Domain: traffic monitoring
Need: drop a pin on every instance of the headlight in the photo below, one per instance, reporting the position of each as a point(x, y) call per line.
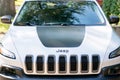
point(115, 53)
point(7, 53)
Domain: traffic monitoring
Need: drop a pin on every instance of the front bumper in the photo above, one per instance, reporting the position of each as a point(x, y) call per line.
point(94, 77)
point(11, 72)
point(107, 73)
point(111, 70)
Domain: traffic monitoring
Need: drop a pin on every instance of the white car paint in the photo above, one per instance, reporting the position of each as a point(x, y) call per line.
point(24, 41)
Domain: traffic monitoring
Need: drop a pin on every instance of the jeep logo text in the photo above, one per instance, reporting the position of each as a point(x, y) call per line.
point(62, 51)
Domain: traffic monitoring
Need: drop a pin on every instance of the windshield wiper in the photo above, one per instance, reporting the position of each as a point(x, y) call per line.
point(61, 24)
point(24, 24)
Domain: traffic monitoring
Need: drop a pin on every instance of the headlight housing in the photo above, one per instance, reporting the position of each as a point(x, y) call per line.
point(115, 53)
point(6, 53)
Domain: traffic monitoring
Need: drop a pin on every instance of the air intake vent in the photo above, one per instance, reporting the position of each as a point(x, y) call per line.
point(29, 63)
point(51, 64)
point(84, 63)
point(40, 64)
point(62, 64)
point(96, 63)
point(73, 64)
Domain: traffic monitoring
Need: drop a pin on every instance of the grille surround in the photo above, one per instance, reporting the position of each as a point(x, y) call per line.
point(29, 63)
point(84, 64)
point(42, 64)
point(73, 63)
point(53, 65)
point(67, 65)
point(95, 63)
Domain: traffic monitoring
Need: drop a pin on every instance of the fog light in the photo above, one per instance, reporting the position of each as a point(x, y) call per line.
point(113, 70)
point(8, 71)
point(11, 72)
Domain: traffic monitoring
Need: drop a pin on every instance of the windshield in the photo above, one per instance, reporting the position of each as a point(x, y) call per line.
point(59, 12)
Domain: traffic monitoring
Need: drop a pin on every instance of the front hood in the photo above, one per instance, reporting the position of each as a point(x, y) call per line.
point(86, 39)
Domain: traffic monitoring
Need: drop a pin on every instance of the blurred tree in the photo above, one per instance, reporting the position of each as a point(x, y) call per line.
point(111, 7)
point(7, 7)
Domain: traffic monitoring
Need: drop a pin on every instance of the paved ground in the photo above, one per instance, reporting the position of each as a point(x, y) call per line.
point(1, 78)
point(117, 29)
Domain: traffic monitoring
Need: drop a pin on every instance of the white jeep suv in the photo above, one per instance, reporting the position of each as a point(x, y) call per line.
point(59, 38)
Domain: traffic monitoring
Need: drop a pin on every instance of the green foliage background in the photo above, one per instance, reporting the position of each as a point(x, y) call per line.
point(111, 7)
point(5, 27)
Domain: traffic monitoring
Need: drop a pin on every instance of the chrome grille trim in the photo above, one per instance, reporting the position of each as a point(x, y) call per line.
point(95, 63)
point(73, 64)
point(51, 64)
point(84, 64)
point(29, 63)
point(40, 64)
point(80, 60)
point(62, 64)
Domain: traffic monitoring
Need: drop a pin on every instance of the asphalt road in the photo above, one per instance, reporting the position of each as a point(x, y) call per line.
point(117, 29)
point(1, 78)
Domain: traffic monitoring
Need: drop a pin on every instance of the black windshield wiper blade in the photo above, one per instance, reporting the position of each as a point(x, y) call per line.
point(24, 24)
point(78, 24)
point(61, 24)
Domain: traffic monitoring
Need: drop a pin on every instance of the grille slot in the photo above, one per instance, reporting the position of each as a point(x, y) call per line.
point(62, 64)
point(73, 64)
point(51, 64)
point(95, 63)
point(29, 63)
point(84, 63)
point(40, 64)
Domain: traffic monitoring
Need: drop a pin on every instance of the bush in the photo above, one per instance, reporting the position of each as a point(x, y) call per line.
point(111, 7)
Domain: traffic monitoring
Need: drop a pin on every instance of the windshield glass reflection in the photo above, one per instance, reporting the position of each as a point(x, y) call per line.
point(59, 12)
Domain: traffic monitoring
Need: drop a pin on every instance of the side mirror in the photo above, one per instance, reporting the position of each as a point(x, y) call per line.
point(6, 19)
point(114, 19)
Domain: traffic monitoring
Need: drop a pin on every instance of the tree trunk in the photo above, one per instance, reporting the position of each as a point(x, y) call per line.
point(7, 7)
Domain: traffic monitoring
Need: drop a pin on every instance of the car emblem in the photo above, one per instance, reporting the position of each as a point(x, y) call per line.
point(62, 51)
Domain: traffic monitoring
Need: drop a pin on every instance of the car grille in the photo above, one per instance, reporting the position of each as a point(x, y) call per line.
point(64, 64)
point(84, 64)
point(51, 64)
point(29, 63)
point(40, 64)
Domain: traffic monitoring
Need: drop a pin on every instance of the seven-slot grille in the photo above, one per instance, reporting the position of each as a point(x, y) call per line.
point(40, 64)
point(29, 63)
point(62, 62)
point(51, 64)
